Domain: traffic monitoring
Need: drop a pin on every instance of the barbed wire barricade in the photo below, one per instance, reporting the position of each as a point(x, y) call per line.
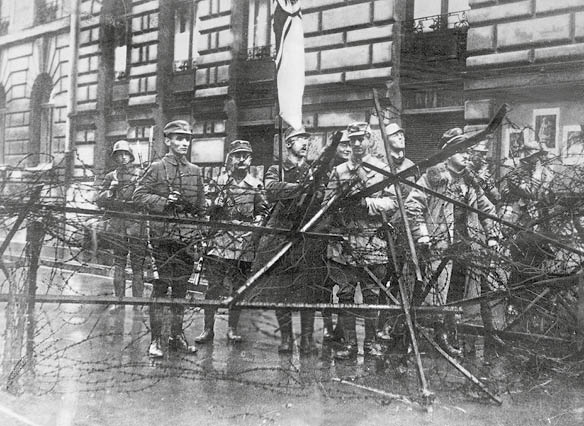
point(55, 236)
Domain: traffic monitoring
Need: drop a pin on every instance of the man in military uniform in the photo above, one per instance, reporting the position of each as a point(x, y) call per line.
point(331, 332)
point(397, 150)
point(364, 251)
point(124, 235)
point(480, 173)
point(289, 280)
point(452, 231)
point(172, 187)
point(238, 199)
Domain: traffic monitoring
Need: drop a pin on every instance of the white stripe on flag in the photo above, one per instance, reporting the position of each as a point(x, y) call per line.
point(289, 61)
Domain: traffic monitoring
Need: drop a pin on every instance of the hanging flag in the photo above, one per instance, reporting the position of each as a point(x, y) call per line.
point(289, 60)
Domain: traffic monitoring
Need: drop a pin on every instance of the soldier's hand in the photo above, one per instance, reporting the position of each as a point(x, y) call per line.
point(493, 243)
point(423, 247)
point(173, 197)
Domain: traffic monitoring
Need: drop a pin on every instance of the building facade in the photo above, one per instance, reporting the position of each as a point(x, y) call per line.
point(140, 63)
point(528, 54)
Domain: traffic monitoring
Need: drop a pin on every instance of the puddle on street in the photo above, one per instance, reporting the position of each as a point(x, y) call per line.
point(100, 366)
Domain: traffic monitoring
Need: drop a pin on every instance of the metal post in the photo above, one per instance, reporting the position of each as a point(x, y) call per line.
point(72, 91)
point(35, 234)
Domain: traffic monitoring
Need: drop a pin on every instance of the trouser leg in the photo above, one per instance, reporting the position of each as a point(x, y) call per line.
point(159, 289)
point(307, 330)
point(137, 256)
point(179, 290)
point(119, 280)
point(120, 257)
point(284, 318)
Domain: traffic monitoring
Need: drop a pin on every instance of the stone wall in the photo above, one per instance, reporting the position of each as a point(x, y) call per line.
point(524, 32)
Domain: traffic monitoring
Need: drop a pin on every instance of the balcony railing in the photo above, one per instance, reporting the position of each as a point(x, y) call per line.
point(184, 65)
point(440, 36)
point(4, 23)
point(46, 11)
point(453, 20)
point(259, 53)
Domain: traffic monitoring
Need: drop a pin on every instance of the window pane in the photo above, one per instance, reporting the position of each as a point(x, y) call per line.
point(457, 5)
point(120, 60)
point(259, 28)
point(181, 46)
point(424, 8)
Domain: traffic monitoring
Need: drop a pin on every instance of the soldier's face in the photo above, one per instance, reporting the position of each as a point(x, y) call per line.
point(178, 144)
point(240, 161)
point(359, 145)
point(397, 141)
point(298, 146)
point(122, 158)
point(343, 150)
point(397, 144)
point(459, 161)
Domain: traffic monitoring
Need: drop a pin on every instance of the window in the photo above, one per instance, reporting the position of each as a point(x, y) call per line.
point(144, 54)
point(4, 24)
point(46, 10)
point(41, 121)
point(139, 139)
point(145, 22)
point(186, 35)
point(121, 48)
point(260, 34)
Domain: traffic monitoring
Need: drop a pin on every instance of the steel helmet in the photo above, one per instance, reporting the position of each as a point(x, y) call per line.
point(123, 145)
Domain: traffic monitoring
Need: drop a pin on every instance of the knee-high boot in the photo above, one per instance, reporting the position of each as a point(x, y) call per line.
point(445, 335)
point(327, 322)
point(119, 281)
point(232, 322)
point(349, 348)
point(285, 324)
point(307, 345)
point(208, 332)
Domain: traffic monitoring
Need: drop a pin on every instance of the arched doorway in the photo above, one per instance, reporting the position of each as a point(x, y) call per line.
point(41, 120)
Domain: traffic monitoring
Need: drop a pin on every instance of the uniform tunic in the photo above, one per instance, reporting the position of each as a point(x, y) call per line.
point(291, 279)
point(115, 194)
point(456, 233)
point(173, 243)
point(232, 251)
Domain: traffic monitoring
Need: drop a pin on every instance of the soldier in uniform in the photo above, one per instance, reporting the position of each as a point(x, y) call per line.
point(172, 187)
point(480, 173)
point(239, 199)
point(364, 251)
point(397, 149)
point(451, 230)
point(290, 280)
point(124, 235)
point(331, 332)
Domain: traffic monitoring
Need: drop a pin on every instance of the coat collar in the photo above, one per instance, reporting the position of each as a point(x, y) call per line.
point(248, 180)
point(289, 165)
point(351, 165)
point(175, 160)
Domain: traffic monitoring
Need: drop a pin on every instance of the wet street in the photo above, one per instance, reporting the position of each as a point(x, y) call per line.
point(87, 365)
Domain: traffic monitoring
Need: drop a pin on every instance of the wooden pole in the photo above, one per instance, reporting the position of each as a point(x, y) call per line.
point(405, 303)
point(460, 368)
